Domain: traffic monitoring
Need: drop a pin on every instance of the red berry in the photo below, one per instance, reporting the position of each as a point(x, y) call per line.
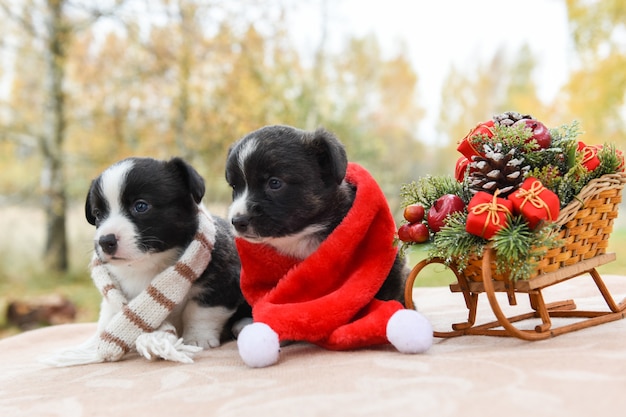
point(419, 232)
point(414, 213)
point(404, 233)
point(413, 232)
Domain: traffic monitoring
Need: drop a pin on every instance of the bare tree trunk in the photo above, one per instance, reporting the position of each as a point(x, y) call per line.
point(184, 73)
point(313, 113)
point(53, 178)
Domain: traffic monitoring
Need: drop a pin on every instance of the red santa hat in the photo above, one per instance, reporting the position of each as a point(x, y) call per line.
point(328, 298)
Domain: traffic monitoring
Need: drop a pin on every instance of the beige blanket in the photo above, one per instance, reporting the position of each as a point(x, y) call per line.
point(577, 374)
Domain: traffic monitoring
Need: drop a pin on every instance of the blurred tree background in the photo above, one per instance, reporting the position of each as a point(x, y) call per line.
point(85, 83)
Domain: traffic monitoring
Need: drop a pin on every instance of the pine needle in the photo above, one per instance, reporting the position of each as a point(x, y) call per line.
point(427, 190)
point(454, 244)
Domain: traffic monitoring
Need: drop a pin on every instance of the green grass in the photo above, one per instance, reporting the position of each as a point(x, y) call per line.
point(438, 275)
point(434, 275)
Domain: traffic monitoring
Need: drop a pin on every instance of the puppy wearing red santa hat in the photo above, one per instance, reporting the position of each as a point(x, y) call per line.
point(316, 240)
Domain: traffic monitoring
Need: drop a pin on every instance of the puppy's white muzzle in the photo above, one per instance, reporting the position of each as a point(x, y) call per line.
point(116, 238)
point(239, 217)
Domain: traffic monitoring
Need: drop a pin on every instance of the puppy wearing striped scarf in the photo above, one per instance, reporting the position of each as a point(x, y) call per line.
point(168, 270)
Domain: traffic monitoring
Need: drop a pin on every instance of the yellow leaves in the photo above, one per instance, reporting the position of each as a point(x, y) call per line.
point(596, 94)
point(594, 25)
point(596, 91)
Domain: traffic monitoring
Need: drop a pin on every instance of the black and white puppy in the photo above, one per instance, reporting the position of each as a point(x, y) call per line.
point(309, 169)
point(145, 213)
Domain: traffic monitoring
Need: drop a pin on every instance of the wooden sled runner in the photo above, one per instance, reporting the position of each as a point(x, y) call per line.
point(586, 226)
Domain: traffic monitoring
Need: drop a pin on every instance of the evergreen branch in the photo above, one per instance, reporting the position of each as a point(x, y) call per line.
point(610, 161)
point(512, 245)
point(519, 249)
point(566, 132)
point(454, 244)
point(427, 190)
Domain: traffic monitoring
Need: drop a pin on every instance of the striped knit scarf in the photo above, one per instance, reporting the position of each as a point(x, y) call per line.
point(146, 313)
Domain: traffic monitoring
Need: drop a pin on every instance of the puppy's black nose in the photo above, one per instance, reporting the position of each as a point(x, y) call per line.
point(108, 243)
point(241, 222)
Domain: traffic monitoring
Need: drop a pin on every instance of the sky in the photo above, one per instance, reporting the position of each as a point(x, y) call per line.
point(440, 33)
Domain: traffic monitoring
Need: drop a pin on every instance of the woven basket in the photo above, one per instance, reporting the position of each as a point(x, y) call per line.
point(586, 224)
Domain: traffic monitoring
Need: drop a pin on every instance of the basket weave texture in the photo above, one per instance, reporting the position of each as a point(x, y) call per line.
point(586, 225)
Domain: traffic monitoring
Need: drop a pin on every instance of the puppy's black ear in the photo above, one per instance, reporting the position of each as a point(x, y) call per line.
point(230, 152)
point(88, 215)
point(194, 181)
point(331, 155)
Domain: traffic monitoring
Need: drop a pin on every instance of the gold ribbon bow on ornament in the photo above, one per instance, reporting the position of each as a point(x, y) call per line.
point(589, 152)
point(492, 209)
point(531, 195)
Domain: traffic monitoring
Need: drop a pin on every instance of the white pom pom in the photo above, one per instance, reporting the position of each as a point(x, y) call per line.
point(258, 345)
point(410, 332)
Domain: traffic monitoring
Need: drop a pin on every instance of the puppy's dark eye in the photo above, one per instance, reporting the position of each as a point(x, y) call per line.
point(141, 206)
point(274, 183)
point(96, 213)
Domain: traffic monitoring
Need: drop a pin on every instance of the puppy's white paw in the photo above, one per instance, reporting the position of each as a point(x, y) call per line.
point(258, 345)
point(203, 325)
point(202, 340)
point(165, 345)
point(410, 332)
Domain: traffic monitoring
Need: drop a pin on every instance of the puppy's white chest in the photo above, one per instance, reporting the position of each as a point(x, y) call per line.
point(299, 245)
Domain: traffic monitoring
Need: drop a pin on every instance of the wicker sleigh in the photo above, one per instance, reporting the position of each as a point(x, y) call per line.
point(586, 224)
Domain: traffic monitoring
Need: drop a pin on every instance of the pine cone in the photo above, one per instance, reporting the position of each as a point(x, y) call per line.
point(496, 170)
point(510, 117)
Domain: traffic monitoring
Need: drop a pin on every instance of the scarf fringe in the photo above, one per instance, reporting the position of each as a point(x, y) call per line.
point(83, 354)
